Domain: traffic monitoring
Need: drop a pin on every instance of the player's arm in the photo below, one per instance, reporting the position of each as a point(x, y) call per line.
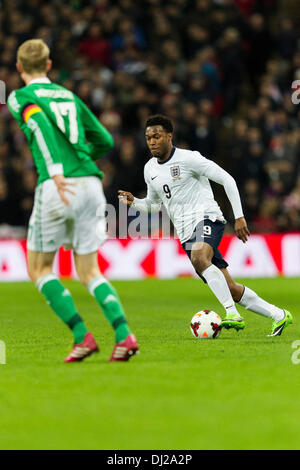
point(39, 132)
point(144, 205)
point(151, 203)
point(99, 139)
point(215, 173)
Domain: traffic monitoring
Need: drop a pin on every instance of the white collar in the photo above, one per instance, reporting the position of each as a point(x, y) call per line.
point(40, 80)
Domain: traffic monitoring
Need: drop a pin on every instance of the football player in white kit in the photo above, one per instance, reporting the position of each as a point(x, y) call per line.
point(179, 179)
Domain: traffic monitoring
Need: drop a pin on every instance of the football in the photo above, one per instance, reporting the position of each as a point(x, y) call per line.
point(206, 324)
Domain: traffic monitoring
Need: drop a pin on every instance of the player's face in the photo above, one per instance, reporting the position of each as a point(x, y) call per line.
point(158, 140)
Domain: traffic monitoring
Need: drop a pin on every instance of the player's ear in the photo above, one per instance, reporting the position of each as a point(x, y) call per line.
point(49, 65)
point(19, 67)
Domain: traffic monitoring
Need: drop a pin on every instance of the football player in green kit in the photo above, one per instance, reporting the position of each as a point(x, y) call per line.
point(65, 138)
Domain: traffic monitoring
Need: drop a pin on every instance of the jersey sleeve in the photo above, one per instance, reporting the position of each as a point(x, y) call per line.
point(152, 202)
point(202, 166)
point(39, 133)
point(15, 107)
point(100, 141)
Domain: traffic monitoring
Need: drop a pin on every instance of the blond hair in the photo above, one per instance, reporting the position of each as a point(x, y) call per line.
point(33, 56)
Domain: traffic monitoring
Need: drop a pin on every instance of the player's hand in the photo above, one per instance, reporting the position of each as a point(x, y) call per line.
point(125, 197)
point(241, 229)
point(62, 187)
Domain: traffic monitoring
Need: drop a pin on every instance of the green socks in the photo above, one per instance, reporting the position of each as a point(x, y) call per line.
point(109, 301)
point(61, 302)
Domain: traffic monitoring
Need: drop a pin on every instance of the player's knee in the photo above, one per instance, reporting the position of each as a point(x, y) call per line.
point(32, 274)
point(36, 272)
point(200, 262)
point(39, 265)
point(86, 275)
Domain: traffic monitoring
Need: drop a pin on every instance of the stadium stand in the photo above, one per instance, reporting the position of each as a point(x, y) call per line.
point(222, 70)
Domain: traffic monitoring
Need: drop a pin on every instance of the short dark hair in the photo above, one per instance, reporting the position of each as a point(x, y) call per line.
point(160, 120)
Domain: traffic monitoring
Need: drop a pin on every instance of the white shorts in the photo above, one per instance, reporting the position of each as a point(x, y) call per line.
point(80, 226)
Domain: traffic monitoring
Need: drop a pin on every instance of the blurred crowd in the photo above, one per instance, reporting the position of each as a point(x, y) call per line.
point(221, 69)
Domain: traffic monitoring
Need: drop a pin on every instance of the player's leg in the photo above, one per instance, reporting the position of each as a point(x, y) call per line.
point(57, 297)
point(236, 289)
point(201, 257)
point(90, 233)
point(105, 294)
point(202, 249)
point(251, 301)
point(47, 232)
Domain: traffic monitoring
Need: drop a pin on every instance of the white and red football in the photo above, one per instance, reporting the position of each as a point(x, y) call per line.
point(206, 324)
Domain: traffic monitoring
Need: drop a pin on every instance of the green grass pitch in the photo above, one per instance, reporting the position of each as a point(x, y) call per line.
point(240, 391)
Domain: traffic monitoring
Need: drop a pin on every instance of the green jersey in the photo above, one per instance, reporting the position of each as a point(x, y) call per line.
point(63, 134)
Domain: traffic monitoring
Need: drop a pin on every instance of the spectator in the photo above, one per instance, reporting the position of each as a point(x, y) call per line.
point(95, 47)
point(221, 69)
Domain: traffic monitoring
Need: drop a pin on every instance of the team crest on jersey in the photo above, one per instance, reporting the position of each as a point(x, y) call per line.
point(175, 172)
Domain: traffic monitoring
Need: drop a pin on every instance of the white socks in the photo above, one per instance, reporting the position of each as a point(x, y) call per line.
point(251, 301)
point(217, 282)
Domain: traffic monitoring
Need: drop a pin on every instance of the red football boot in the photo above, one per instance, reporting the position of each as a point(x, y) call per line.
point(125, 350)
point(83, 350)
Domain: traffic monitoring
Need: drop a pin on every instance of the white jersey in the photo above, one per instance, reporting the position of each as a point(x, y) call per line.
point(181, 184)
